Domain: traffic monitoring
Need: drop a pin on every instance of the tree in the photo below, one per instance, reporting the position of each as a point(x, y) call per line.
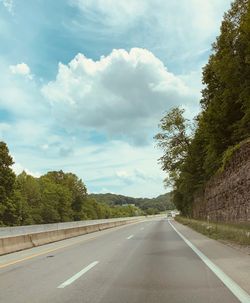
point(7, 179)
point(75, 186)
point(7, 176)
point(174, 141)
point(90, 209)
point(56, 201)
point(29, 188)
point(225, 117)
point(225, 99)
point(17, 211)
point(54, 197)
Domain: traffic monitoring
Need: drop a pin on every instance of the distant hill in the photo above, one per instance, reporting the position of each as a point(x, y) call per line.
point(150, 206)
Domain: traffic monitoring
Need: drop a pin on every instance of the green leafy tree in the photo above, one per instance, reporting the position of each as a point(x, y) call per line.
point(29, 188)
point(151, 211)
point(225, 117)
point(7, 180)
point(226, 97)
point(7, 176)
point(174, 141)
point(76, 187)
point(17, 211)
point(54, 197)
point(90, 209)
point(56, 201)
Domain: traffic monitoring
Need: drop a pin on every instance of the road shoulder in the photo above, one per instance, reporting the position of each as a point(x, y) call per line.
point(234, 263)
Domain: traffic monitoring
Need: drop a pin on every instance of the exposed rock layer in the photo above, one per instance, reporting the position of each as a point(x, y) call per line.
point(226, 196)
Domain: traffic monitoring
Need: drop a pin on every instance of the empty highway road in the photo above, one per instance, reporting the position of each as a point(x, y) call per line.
point(144, 262)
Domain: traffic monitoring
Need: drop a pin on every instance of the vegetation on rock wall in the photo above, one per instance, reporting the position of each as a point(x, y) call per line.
point(191, 158)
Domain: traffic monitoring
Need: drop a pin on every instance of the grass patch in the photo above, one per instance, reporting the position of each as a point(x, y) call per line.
point(238, 233)
point(228, 154)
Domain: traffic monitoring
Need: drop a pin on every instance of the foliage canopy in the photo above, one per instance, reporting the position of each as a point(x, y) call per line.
point(224, 120)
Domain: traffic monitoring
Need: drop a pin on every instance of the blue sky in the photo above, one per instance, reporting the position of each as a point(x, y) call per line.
point(84, 83)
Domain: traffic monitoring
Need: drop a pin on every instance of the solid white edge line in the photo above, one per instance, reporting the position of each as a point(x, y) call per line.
point(130, 237)
point(239, 293)
point(78, 275)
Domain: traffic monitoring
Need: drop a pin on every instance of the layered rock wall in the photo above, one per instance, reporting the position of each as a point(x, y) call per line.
point(226, 196)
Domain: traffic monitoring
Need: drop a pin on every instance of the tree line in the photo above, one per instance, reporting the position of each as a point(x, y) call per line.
point(194, 151)
point(148, 206)
point(53, 197)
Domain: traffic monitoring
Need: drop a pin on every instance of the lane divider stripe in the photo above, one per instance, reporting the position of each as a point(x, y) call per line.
point(130, 237)
point(239, 293)
point(78, 275)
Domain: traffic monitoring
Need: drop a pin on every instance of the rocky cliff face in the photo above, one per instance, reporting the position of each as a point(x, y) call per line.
point(226, 197)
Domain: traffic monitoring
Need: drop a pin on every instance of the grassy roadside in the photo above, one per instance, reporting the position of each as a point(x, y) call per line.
point(234, 233)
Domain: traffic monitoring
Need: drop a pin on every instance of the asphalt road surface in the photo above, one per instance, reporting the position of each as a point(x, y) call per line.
point(143, 262)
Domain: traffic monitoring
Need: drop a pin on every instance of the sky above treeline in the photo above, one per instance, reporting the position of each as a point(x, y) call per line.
point(84, 83)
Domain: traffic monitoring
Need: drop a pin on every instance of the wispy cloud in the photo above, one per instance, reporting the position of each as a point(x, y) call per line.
point(173, 30)
point(8, 4)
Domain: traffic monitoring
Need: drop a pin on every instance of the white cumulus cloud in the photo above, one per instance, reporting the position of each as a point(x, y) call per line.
point(122, 95)
point(20, 69)
point(18, 169)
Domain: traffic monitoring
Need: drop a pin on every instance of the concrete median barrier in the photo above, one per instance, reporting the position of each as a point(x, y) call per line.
point(12, 244)
point(18, 242)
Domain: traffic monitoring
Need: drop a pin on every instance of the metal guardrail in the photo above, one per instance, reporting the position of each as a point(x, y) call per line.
point(30, 229)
